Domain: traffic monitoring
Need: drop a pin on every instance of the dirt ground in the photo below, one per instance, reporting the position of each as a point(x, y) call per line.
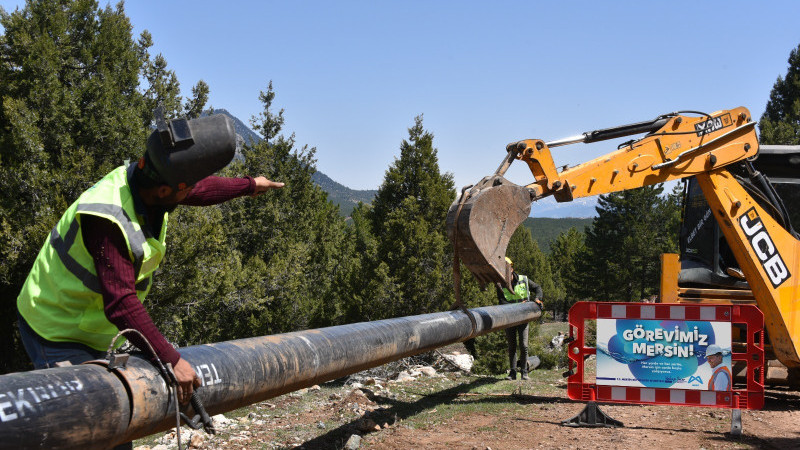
point(466, 412)
point(535, 422)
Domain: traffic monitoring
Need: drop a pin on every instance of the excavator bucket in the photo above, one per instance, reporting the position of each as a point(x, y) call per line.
point(481, 222)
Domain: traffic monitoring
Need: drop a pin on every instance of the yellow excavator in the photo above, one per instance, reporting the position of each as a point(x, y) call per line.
point(756, 258)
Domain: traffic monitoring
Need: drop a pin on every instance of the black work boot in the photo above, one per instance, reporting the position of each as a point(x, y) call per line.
point(524, 375)
point(512, 375)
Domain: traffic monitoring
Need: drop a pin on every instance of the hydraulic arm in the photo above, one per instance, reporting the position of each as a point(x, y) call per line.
point(482, 220)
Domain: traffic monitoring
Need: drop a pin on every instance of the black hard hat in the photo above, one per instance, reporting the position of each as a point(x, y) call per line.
point(183, 152)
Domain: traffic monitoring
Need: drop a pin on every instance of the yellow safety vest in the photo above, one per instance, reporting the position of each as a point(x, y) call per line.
point(61, 298)
point(520, 291)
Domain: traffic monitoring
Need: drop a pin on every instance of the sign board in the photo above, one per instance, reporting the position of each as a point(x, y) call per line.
point(664, 354)
point(652, 379)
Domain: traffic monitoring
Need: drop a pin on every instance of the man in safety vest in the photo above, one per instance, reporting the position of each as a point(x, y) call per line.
point(96, 266)
point(721, 377)
point(522, 293)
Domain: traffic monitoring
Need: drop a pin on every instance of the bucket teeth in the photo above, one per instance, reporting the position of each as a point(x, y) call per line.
point(481, 222)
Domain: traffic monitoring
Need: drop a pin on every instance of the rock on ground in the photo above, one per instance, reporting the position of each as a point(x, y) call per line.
point(220, 421)
point(403, 377)
point(463, 362)
point(353, 443)
point(428, 371)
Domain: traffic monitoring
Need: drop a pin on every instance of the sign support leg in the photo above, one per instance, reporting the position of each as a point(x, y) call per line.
point(592, 416)
point(736, 422)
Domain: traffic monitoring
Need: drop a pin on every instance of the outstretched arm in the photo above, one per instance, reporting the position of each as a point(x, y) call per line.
point(214, 190)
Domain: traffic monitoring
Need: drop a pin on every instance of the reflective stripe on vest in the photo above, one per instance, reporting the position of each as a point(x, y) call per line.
point(136, 238)
point(89, 279)
point(62, 247)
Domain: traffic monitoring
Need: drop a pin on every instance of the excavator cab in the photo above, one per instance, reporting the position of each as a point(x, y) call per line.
point(706, 259)
point(706, 270)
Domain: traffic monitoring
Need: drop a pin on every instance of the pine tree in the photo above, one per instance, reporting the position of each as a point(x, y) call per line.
point(780, 123)
point(367, 283)
point(198, 279)
point(633, 227)
point(290, 240)
point(416, 175)
point(194, 106)
point(72, 108)
point(71, 111)
point(408, 221)
point(163, 88)
point(565, 253)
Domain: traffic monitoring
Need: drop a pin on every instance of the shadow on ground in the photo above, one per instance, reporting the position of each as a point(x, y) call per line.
point(401, 410)
point(776, 400)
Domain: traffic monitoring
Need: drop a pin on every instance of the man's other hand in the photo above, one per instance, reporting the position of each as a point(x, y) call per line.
point(263, 185)
point(187, 380)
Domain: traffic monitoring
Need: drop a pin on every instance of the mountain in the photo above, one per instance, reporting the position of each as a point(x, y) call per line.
point(249, 136)
point(548, 207)
point(339, 194)
point(545, 229)
point(348, 198)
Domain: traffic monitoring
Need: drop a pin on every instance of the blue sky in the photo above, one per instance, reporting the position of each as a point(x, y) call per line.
point(351, 75)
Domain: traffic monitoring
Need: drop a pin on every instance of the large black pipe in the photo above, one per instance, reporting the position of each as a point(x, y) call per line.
point(89, 406)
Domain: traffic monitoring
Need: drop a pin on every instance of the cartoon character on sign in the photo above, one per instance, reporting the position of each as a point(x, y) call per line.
point(721, 377)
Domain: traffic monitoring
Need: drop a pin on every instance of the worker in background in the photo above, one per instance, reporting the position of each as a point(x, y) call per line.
point(96, 266)
point(518, 334)
point(721, 377)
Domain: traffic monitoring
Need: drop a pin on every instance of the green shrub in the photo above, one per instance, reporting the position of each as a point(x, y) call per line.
point(491, 354)
point(548, 358)
point(590, 333)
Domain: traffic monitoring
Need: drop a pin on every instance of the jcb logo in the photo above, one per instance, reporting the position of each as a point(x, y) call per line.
point(713, 124)
point(762, 244)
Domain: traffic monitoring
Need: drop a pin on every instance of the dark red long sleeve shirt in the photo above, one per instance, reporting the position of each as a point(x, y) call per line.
point(106, 244)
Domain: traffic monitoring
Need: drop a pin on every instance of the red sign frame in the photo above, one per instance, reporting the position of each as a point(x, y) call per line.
point(750, 398)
